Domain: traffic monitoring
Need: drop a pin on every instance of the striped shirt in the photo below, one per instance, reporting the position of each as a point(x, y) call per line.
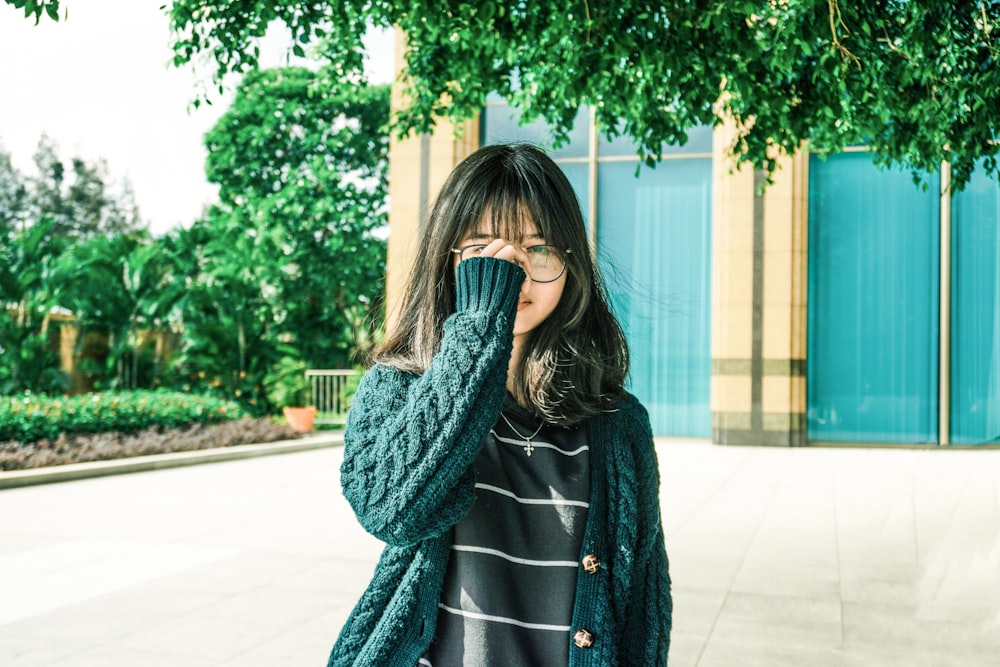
point(511, 575)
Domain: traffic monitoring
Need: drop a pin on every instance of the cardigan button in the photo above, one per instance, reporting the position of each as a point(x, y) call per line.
point(591, 564)
point(583, 638)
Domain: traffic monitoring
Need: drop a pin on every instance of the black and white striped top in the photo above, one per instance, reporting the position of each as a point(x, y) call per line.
point(511, 575)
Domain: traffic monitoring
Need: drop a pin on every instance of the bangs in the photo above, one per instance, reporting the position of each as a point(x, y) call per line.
point(510, 200)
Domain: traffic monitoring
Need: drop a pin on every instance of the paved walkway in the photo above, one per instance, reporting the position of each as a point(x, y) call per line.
point(780, 557)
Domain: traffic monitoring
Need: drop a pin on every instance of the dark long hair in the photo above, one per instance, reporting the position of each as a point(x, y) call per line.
point(574, 364)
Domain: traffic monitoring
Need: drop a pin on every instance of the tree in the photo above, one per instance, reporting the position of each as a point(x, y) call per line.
point(28, 293)
point(35, 8)
point(117, 285)
point(79, 199)
point(123, 216)
point(301, 161)
point(67, 242)
point(94, 208)
point(85, 198)
point(288, 264)
point(47, 186)
point(227, 309)
point(918, 81)
point(13, 198)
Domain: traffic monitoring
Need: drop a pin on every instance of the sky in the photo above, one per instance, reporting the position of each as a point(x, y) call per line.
point(99, 84)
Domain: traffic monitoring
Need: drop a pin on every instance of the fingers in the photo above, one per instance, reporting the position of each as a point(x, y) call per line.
point(501, 249)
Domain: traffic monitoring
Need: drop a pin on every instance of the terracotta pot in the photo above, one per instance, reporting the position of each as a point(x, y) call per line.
point(300, 419)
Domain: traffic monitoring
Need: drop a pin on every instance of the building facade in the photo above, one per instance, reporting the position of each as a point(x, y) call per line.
point(840, 303)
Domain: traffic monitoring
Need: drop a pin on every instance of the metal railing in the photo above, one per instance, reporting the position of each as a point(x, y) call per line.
point(330, 393)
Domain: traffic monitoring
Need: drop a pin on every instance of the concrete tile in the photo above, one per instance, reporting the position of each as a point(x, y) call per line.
point(731, 654)
point(210, 635)
point(780, 621)
point(308, 644)
point(246, 623)
point(758, 538)
point(909, 656)
point(864, 580)
point(802, 580)
point(68, 572)
point(902, 592)
point(111, 616)
point(878, 626)
point(685, 650)
point(19, 651)
point(696, 610)
point(14, 542)
point(332, 580)
point(704, 572)
point(239, 573)
point(112, 655)
point(773, 549)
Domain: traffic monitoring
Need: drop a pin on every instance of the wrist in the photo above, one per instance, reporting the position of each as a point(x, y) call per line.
point(487, 284)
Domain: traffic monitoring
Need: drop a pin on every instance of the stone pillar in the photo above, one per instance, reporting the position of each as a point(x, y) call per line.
point(759, 254)
point(417, 169)
point(69, 331)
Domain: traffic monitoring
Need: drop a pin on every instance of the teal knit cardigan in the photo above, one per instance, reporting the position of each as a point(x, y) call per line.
point(409, 445)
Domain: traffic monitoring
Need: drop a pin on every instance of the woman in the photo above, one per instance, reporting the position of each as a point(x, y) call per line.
point(494, 448)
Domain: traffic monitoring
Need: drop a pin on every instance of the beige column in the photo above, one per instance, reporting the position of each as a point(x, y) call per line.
point(69, 331)
point(758, 391)
point(418, 167)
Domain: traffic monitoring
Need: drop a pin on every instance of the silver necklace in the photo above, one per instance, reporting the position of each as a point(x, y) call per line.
point(528, 447)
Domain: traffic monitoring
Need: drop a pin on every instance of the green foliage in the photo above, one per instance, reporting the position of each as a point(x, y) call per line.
point(301, 161)
point(294, 128)
point(918, 80)
point(13, 196)
point(114, 284)
point(226, 310)
point(287, 385)
point(30, 417)
point(28, 294)
point(118, 285)
point(350, 387)
point(78, 196)
point(36, 8)
point(288, 264)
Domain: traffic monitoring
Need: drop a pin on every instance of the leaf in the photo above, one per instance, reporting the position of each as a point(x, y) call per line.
point(10, 285)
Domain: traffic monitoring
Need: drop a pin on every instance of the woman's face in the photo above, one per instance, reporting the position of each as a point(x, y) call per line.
point(537, 300)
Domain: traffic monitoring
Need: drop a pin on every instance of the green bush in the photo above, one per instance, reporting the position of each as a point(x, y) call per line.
point(30, 417)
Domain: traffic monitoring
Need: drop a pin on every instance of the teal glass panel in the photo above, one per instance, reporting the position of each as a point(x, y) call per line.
point(578, 175)
point(872, 368)
point(975, 313)
point(654, 245)
point(699, 140)
point(500, 125)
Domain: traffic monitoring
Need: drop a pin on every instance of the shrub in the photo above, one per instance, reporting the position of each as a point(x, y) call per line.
point(80, 448)
point(30, 417)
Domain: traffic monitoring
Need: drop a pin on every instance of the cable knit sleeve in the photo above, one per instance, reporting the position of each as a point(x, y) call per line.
point(650, 607)
point(410, 441)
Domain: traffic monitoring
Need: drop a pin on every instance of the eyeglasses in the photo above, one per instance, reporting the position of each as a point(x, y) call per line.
point(545, 261)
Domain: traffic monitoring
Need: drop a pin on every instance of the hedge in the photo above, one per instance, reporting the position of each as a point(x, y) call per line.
point(30, 417)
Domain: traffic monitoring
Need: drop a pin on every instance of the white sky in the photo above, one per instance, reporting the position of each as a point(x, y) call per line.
point(99, 85)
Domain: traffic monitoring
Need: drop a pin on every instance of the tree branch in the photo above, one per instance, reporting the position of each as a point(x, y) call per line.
point(837, 19)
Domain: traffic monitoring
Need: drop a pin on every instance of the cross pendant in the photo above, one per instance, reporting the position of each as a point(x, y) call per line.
point(528, 448)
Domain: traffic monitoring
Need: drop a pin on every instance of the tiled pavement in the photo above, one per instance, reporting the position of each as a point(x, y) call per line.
point(780, 557)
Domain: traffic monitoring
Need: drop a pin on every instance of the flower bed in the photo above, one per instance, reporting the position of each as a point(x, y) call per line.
point(80, 448)
point(31, 417)
point(37, 431)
